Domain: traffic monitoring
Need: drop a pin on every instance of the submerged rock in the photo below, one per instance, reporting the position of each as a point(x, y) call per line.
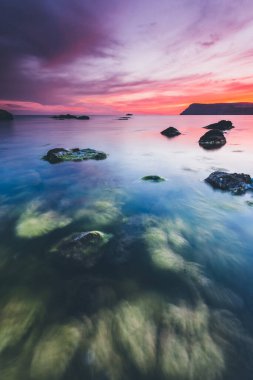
point(5, 115)
point(83, 249)
point(153, 178)
point(61, 154)
point(34, 222)
point(55, 351)
point(20, 310)
point(171, 132)
point(234, 182)
point(212, 139)
point(69, 116)
point(221, 125)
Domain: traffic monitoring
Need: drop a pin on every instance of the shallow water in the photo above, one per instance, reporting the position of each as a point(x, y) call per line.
point(170, 298)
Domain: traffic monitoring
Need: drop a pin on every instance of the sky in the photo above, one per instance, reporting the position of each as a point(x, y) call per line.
point(119, 56)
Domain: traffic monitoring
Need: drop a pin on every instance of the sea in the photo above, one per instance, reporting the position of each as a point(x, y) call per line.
point(169, 295)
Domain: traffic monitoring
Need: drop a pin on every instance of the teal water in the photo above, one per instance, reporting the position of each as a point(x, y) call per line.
point(171, 296)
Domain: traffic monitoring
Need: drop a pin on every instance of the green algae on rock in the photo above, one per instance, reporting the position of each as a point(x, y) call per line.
point(153, 178)
point(17, 316)
point(34, 223)
point(57, 155)
point(55, 350)
point(99, 214)
point(82, 249)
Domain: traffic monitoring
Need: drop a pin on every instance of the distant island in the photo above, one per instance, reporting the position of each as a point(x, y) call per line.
point(219, 109)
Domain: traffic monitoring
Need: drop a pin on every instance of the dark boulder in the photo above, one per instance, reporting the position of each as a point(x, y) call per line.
point(171, 132)
point(212, 139)
point(222, 125)
point(153, 178)
point(233, 182)
point(57, 155)
point(81, 249)
point(5, 115)
point(129, 114)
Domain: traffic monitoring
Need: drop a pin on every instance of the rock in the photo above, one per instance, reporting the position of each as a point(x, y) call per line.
point(61, 154)
point(222, 125)
point(129, 114)
point(69, 116)
point(212, 139)
point(171, 132)
point(236, 183)
point(124, 118)
point(5, 115)
point(82, 249)
point(65, 116)
point(153, 178)
point(83, 117)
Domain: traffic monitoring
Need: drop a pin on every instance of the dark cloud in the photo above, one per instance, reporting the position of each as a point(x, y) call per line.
point(52, 33)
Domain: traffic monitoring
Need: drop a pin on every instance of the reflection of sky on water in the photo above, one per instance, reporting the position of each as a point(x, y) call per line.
point(175, 280)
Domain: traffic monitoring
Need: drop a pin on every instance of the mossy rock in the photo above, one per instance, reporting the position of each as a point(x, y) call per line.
point(58, 155)
point(153, 178)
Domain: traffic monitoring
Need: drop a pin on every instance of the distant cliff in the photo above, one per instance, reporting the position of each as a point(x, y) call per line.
point(219, 109)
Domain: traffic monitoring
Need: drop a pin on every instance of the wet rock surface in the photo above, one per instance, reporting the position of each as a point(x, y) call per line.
point(153, 178)
point(82, 249)
point(57, 155)
point(5, 115)
point(221, 125)
point(234, 182)
point(171, 132)
point(212, 139)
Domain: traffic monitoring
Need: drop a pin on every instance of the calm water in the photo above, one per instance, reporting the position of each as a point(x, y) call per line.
point(171, 297)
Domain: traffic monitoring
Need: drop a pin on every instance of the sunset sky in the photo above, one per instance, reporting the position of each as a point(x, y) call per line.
point(118, 56)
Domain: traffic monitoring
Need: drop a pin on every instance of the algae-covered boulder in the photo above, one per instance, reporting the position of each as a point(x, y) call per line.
point(81, 249)
point(236, 183)
point(57, 155)
point(153, 178)
point(171, 132)
point(55, 351)
point(34, 222)
point(5, 115)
